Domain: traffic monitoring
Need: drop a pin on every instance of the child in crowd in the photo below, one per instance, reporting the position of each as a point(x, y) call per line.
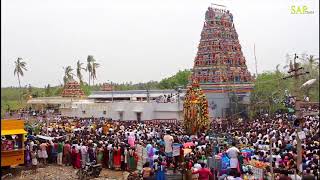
point(34, 159)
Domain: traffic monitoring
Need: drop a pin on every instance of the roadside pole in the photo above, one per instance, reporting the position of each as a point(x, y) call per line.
point(295, 72)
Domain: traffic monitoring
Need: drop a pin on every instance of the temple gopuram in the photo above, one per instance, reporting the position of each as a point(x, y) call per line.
point(219, 65)
point(72, 89)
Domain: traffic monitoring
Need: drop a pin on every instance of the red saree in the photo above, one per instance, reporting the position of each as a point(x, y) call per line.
point(117, 158)
point(78, 162)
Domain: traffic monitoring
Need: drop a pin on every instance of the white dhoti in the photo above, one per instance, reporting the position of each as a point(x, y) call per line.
point(44, 154)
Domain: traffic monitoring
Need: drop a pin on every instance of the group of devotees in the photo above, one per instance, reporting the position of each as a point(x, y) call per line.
point(114, 145)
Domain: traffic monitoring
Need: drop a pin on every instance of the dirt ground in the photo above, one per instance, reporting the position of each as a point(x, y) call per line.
point(54, 172)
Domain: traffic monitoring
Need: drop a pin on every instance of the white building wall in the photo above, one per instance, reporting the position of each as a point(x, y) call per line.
point(130, 110)
point(149, 110)
point(166, 115)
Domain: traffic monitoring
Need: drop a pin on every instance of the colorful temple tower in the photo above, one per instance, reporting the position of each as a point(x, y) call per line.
point(220, 66)
point(72, 89)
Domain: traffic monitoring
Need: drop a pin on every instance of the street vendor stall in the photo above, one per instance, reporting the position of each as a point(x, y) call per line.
point(12, 142)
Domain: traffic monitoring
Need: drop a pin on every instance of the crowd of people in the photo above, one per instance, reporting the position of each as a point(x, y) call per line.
point(170, 98)
point(114, 144)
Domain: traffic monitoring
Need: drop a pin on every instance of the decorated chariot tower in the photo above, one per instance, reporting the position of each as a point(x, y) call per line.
point(195, 110)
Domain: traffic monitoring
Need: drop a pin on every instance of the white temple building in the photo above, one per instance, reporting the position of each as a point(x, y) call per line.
point(139, 105)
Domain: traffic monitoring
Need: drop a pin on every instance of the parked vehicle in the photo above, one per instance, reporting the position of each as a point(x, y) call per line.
point(90, 170)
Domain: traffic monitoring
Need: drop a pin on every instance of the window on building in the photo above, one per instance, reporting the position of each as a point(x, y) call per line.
point(104, 112)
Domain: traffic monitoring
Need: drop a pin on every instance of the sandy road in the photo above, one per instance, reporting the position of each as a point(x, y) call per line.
point(54, 172)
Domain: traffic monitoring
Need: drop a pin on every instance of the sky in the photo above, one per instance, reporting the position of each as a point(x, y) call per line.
point(142, 40)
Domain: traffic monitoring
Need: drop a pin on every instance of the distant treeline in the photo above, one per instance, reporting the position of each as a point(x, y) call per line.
point(10, 95)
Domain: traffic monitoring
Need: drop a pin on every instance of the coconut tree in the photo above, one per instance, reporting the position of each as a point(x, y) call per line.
point(310, 64)
point(94, 71)
point(20, 66)
point(79, 68)
point(68, 74)
point(90, 59)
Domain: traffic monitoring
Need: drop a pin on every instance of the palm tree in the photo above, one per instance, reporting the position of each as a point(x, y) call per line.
point(79, 68)
point(89, 66)
point(312, 66)
point(68, 74)
point(94, 70)
point(20, 66)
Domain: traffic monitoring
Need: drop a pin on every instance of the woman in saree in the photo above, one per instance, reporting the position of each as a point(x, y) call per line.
point(150, 152)
point(91, 153)
point(106, 157)
point(117, 157)
point(73, 156)
point(125, 156)
point(77, 158)
point(132, 159)
point(100, 152)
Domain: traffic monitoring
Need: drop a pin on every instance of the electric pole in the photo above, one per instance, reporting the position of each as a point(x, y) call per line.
point(295, 72)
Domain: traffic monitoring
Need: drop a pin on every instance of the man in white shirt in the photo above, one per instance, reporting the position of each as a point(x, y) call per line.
point(84, 154)
point(168, 140)
point(233, 155)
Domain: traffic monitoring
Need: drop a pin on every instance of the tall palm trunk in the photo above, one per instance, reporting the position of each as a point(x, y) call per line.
point(19, 88)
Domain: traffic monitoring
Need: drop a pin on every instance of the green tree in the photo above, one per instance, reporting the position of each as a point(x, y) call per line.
point(86, 89)
point(268, 91)
point(20, 66)
point(94, 70)
point(68, 74)
point(57, 91)
point(310, 64)
point(27, 92)
point(36, 94)
point(47, 91)
point(90, 59)
point(29, 89)
point(79, 74)
point(179, 79)
point(183, 77)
